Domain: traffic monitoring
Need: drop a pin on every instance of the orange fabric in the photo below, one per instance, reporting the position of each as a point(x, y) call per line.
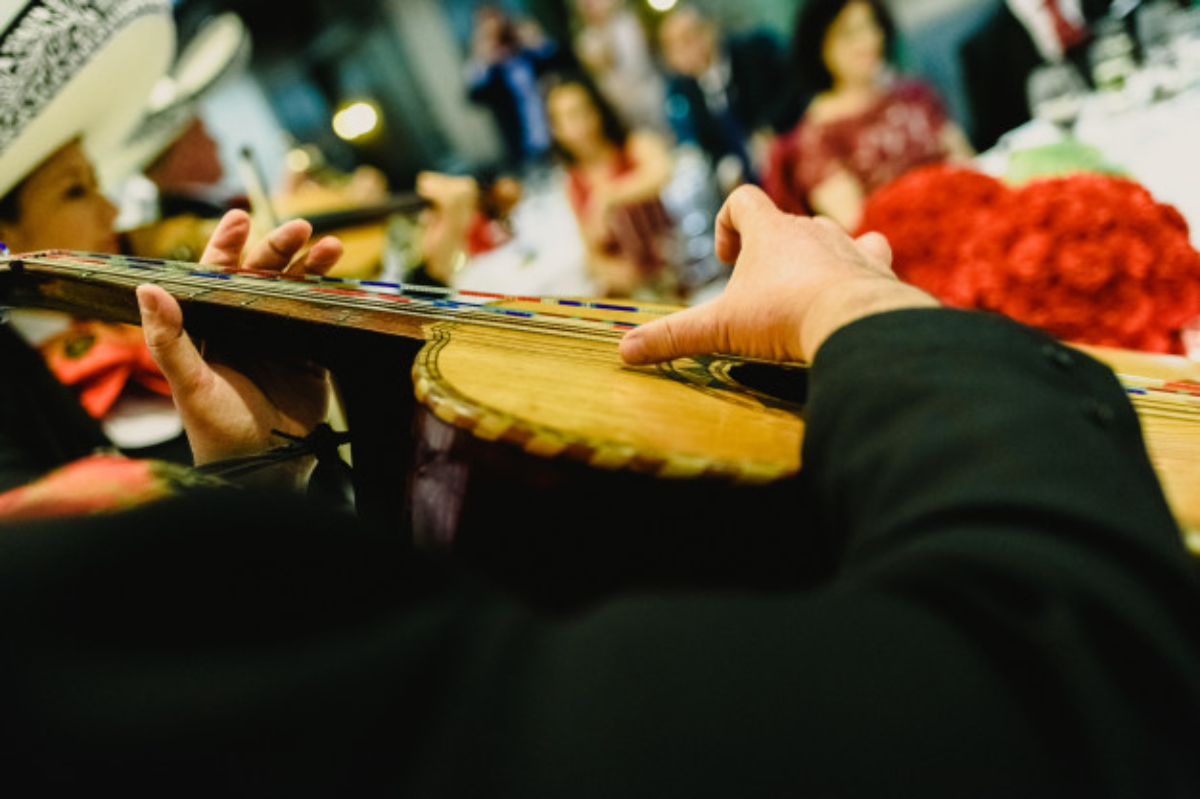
point(89, 485)
point(98, 359)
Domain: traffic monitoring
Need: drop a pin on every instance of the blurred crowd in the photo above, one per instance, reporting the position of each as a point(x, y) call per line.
point(641, 123)
point(820, 121)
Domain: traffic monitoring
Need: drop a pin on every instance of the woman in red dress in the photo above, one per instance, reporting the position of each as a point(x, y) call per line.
point(615, 180)
point(865, 126)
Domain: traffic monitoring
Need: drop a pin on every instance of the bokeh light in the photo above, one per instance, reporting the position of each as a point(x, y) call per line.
point(356, 120)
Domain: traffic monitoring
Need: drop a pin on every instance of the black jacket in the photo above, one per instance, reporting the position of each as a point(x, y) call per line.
point(997, 60)
point(1013, 614)
point(762, 96)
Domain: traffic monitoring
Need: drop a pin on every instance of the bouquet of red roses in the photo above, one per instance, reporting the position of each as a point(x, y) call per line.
point(1089, 258)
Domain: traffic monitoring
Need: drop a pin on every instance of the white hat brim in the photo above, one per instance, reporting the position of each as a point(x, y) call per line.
point(77, 70)
point(218, 50)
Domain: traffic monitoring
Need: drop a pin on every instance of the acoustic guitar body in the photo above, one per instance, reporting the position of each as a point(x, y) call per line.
point(508, 431)
point(555, 468)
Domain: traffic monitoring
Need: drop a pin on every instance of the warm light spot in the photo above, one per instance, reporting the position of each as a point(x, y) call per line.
point(356, 120)
point(662, 6)
point(298, 160)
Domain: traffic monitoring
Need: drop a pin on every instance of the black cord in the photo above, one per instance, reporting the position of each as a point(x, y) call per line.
point(331, 481)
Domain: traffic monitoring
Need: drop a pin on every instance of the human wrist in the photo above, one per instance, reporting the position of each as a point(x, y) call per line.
point(845, 302)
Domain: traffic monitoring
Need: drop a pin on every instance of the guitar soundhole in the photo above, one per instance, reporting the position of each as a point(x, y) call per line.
point(789, 383)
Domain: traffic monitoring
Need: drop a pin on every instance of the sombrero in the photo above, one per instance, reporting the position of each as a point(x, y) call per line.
point(218, 50)
point(75, 68)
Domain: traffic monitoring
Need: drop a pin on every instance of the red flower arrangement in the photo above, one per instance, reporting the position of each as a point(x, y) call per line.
point(1089, 258)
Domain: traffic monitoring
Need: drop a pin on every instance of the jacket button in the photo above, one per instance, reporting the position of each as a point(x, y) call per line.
point(1058, 356)
point(1099, 412)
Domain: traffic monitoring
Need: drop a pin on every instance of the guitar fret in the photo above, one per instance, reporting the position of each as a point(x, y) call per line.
point(554, 317)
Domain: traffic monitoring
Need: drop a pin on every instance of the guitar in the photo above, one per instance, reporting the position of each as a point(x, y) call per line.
point(487, 377)
point(490, 376)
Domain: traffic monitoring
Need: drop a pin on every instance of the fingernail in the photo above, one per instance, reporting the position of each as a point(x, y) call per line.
point(147, 302)
point(631, 348)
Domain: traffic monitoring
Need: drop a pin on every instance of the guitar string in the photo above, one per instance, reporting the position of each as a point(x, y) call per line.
point(349, 294)
point(189, 284)
point(194, 286)
point(369, 288)
point(1151, 397)
point(180, 271)
point(1166, 400)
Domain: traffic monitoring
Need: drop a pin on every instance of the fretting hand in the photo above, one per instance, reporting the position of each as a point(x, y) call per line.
point(230, 410)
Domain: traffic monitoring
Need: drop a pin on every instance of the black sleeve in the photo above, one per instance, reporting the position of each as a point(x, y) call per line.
point(1015, 615)
point(220, 644)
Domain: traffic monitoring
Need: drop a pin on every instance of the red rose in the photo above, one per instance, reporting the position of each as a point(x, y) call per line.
point(1089, 258)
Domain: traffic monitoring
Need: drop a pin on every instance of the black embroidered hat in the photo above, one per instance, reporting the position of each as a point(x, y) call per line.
point(75, 68)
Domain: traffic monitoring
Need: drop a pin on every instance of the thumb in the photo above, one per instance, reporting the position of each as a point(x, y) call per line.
point(170, 346)
point(691, 331)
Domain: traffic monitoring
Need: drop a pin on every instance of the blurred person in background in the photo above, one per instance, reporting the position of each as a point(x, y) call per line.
point(168, 174)
point(487, 232)
point(188, 174)
point(865, 124)
point(727, 93)
point(178, 196)
point(508, 57)
point(615, 180)
point(612, 45)
point(1021, 35)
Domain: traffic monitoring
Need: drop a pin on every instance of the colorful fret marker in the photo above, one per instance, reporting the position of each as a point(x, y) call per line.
point(444, 302)
point(1190, 387)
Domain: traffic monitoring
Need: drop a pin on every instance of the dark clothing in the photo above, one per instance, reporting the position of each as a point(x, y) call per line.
point(997, 60)
point(42, 425)
point(211, 206)
point(1014, 616)
point(509, 90)
point(758, 97)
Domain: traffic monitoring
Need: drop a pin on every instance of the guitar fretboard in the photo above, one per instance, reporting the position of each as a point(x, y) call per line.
point(576, 318)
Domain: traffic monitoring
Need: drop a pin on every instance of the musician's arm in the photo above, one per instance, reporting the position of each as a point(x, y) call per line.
point(1015, 617)
point(1014, 613)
